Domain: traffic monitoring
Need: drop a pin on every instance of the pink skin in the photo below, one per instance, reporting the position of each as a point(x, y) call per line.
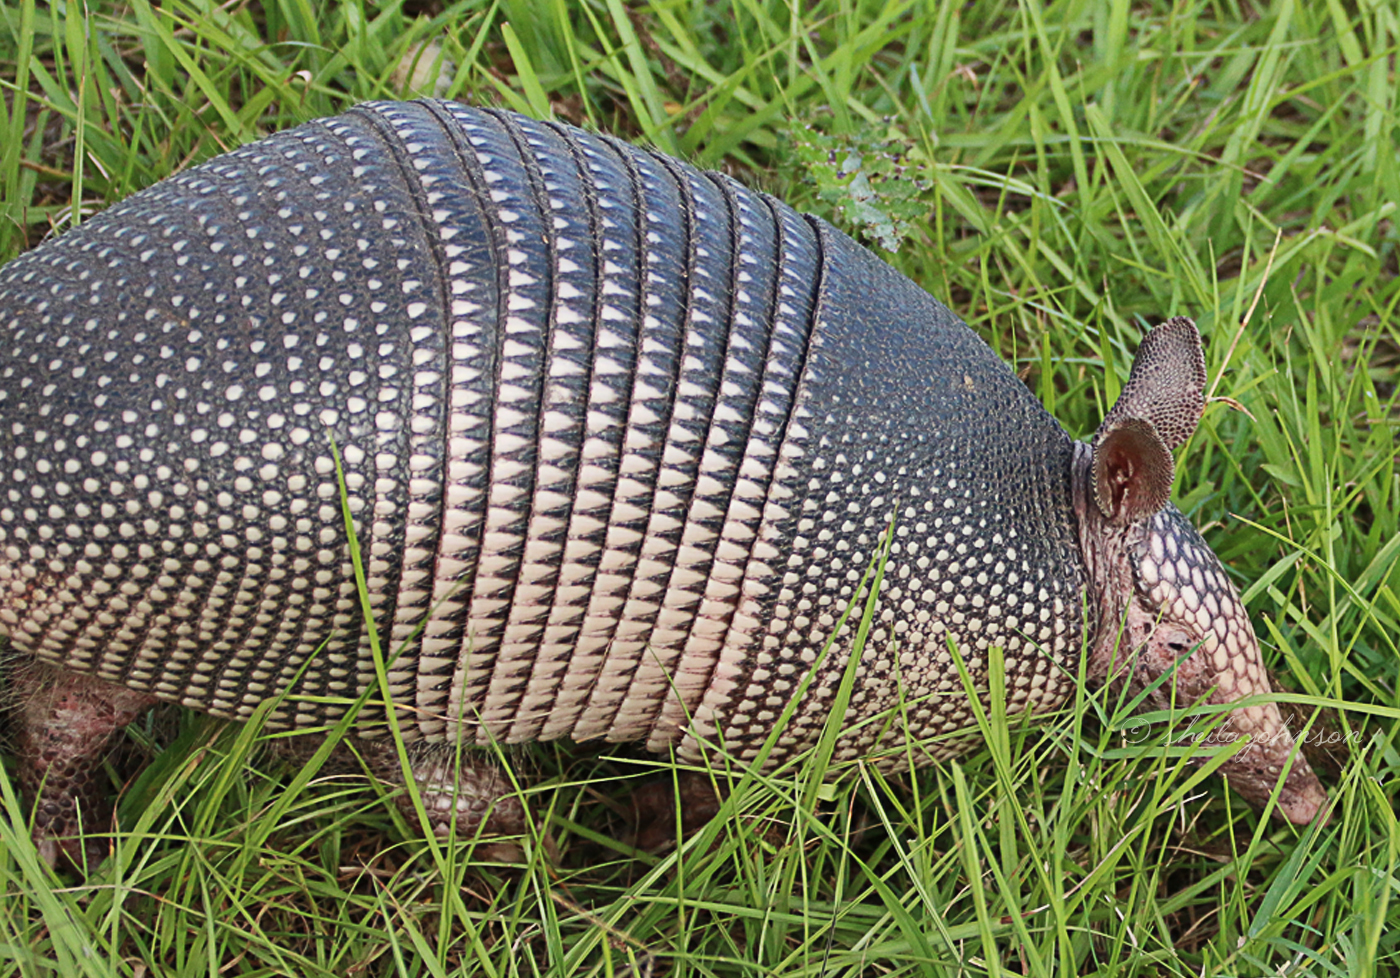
point(64, 728)
point(1180, 615)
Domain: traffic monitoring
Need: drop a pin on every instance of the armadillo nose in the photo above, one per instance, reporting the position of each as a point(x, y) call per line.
point(1303, 799)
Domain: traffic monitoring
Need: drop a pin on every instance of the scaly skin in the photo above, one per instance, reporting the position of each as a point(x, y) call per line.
point(65, 725)
point(462, 787)
point(619, 439)
point(1150, 624)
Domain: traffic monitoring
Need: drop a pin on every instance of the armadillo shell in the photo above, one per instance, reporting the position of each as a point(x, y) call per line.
point(620, 440)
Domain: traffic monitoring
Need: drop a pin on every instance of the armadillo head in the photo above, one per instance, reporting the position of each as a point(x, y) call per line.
point(1165, 605)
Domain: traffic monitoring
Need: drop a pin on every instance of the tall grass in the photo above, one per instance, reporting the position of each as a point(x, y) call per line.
point(1063, 176)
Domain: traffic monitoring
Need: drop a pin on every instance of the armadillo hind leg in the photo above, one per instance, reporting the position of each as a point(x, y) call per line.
point(64, 725)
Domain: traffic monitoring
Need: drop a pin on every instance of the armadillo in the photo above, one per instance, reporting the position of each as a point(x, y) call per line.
point(620, 440)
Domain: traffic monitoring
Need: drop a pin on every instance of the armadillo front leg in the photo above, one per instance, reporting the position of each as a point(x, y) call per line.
point(456, 786)
point(65, 723)
point(461, 787)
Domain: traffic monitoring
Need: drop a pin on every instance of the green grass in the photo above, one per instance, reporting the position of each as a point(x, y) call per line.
point(1070, 174)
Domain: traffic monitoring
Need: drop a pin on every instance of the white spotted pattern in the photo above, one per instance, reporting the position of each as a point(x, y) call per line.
point(619, 441)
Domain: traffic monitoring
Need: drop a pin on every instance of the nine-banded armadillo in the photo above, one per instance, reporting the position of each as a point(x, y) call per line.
point(620, 440)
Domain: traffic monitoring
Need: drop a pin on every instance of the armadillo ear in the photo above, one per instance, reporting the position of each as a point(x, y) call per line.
point(1133, 471)
point(1157, 411)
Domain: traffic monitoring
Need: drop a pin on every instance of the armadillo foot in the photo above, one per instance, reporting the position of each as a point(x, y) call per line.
point(463, 789)
point(64, 724)
point(460, 788)
point(688, 801)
